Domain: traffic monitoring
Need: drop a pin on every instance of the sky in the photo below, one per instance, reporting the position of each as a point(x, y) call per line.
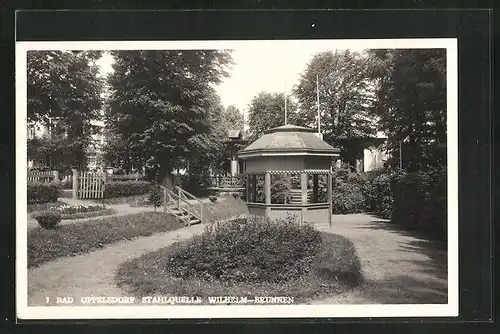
point(270, 66)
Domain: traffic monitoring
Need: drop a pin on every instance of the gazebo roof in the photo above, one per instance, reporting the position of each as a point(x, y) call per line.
point(289, 140)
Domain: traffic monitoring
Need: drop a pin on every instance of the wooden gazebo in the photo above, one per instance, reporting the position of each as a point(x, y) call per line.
point(288, 172)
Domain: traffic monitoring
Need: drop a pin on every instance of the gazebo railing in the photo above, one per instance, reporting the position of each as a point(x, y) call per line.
point(228, 182)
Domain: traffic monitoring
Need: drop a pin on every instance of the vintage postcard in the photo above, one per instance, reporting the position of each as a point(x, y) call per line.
point(237, 179)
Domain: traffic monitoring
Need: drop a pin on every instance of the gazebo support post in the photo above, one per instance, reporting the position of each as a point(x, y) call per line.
point(267, 189)
point(303, 186)
point(329, 192)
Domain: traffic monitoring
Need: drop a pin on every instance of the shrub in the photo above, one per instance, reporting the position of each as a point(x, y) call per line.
point(247, 250)
point(236, 195)
point(126, 188)
point(212, 198)
point(156, 196)
point(43, 192)
point(382, 191)
point(420, 202)
point(48, 219)
point(349, 191)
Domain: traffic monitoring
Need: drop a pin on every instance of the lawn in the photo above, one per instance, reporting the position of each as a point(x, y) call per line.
point(136, 200)
point(334, 269)
point(74, 239)
point(226, 207)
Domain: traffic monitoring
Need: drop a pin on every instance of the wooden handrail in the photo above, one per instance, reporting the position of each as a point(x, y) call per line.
point(185, 192)
point(178, 198)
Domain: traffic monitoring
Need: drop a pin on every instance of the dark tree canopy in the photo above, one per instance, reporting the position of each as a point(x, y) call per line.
point(267, 110)
point(161, 104)
point(345, 95)
point(65, 87)
point(411, 103)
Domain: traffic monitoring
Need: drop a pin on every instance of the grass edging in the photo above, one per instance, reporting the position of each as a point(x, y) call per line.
point(74, 239)
point(337, 269)
point(90, 214)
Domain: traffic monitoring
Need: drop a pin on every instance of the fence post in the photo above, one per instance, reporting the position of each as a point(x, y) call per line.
point(75, 183)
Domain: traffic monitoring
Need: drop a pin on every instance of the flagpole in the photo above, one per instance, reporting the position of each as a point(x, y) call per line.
point(285, 105)
point(317, 102)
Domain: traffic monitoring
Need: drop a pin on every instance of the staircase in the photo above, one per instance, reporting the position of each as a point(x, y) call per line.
point(296, 196)
point(186, 207)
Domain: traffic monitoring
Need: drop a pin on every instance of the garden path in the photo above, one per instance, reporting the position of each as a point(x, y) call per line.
point(398, 266)
point(92, 274)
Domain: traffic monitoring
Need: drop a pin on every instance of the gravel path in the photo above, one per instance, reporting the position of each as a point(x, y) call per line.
point(398, 267)
point(92, 274)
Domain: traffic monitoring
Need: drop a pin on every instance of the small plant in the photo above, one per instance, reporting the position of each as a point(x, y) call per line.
point(48, 219)
point(236, 195)
point(156, 196)
point(212, 198)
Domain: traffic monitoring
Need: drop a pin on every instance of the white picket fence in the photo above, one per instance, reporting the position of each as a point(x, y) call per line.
point(41, 176)
point(91, 185)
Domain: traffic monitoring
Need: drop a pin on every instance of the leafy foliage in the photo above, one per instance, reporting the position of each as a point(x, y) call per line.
point(345, 94)
point(267, 110)
point(126, 188)
point(349, 190)
point(48, 219)
point(38, 192)
point(65, 87)
point(160, 106)
point(156, 196)
point(247, 250)
point(411, 104)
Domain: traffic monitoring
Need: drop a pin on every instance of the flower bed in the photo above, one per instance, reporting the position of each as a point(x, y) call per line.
point(246, 258)
point(79, 211)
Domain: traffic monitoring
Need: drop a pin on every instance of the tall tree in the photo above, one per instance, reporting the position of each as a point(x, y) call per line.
point(267, 110)
point(160, 102)
point(64, 92)
point(411, 103)
point(345, 94)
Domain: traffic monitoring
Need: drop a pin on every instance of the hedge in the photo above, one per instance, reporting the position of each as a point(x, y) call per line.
point(45, 192)
point(415, 200)
point(126, 188)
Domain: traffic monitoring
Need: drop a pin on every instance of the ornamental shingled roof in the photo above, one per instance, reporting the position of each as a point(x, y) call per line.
point(290, 138)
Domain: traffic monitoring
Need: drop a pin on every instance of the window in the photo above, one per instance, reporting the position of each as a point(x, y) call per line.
point(92, 160)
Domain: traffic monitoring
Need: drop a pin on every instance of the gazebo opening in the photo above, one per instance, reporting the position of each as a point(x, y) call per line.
point(288, 172)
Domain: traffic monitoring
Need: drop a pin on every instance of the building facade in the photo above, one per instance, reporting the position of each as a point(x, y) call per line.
point(50, 130)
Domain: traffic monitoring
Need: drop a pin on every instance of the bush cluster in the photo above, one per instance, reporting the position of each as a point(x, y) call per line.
point(126, 188)
point(39, 192)
point(420, 202)
point(414, 200)
point(350, 190)
point(247, 250)
point(48, 219)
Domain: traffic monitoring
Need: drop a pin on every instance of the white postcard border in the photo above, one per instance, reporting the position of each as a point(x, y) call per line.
point(248, 311)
